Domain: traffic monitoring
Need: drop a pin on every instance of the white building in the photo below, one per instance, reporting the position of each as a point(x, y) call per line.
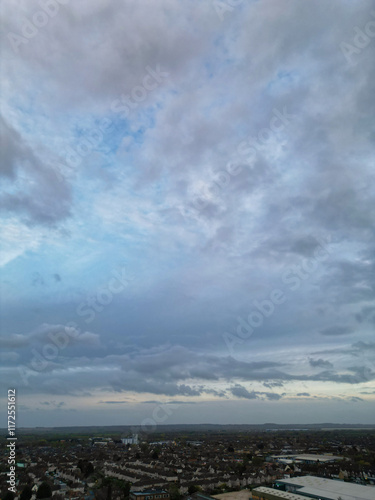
point(130, 440)
point(327, 489)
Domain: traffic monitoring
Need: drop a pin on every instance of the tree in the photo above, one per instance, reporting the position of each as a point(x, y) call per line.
point(193, 488)
point(257, 461)
point(174, 492)
point(8, 495)
point(241, 467)
point(144, 447)
point(27, 493)
point(107, 483)
point(44, 491)
point(120, 488)
point(125, 488)
point(86, 467)
point(89, 469)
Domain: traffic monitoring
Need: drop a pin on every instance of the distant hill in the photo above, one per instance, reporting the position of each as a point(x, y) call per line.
point(190, 428)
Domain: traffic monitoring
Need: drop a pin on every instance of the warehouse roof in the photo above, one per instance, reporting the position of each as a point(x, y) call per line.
point(331, 489)
point(280, 494)
point(308, 457)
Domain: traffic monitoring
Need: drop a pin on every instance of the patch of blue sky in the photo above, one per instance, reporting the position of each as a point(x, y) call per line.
point(159, 190)
point(134, 127)
point(210, 70)
point(113, 229)
point(259, 116)
point(31, 276)
point(82, 266)
point(283, 82)
point(225, 46)
point(220, 43)
point(213, 105)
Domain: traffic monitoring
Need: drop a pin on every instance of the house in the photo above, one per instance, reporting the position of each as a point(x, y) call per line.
point(149, 495)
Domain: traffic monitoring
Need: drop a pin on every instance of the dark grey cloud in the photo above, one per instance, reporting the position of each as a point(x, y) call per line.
point(49, 334)
point(113, 402)
point(171, 403)
point(154, 387)
point(356, 399)
point(364, 346)
point(367, 313)
point(320, 363)
point(13, 150)
point(52, 404)
point(241, 392)
point(270, 385)
point(336, 330)
point(359, 375)
point(171, 371)
point(358, 349)
point(34, 190)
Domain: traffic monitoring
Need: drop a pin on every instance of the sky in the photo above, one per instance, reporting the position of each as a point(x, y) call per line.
point(187, 211)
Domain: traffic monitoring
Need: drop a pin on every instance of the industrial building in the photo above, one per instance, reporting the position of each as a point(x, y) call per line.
point(264, 493)
point(304, 458)
point(325, 489)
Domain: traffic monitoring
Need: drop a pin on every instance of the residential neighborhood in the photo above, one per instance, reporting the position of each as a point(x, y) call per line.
point(181, 465)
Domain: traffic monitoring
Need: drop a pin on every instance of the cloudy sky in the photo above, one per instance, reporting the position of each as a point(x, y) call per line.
point(187, 211)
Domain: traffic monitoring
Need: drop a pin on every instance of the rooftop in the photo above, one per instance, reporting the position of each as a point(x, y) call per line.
point(234, 495)
point(308, 457)
point(148, 492)
point(330, 488)
point(281, 494)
